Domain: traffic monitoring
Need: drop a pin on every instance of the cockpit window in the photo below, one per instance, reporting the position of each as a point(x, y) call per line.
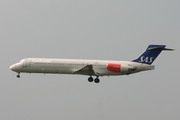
point(22, 61)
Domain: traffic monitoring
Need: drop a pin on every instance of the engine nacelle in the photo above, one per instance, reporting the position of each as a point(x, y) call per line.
point(114, 67)
point(125, 68)
point(119, 68)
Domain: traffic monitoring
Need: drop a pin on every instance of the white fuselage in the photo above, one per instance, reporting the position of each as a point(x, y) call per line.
point(75, 66)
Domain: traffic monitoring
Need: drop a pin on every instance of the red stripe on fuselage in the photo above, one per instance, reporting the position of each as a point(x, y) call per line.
point(114, 67)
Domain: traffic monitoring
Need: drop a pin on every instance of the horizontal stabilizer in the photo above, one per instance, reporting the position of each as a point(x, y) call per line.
point(169, 49)
point(161, 47)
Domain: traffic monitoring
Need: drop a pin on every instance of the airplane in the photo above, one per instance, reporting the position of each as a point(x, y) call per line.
point(90, 67)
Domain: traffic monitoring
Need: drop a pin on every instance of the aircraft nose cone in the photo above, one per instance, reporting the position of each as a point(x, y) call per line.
point(13, 67)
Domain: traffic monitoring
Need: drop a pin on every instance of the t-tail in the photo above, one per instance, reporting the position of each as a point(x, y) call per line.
point(151, 54)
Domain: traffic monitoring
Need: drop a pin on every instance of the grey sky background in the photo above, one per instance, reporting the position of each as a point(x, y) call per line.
point(94, 29)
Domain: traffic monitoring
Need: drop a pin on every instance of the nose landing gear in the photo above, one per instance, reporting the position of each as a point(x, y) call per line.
point(18, 76)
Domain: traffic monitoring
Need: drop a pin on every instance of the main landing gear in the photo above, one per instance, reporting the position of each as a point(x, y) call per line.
point(96, 80)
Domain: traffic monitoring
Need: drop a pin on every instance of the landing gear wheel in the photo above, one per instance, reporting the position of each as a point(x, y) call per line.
point(90, 79)
point(96, 80)
point(18, 76)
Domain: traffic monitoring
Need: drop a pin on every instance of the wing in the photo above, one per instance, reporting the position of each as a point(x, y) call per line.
point(87, 70)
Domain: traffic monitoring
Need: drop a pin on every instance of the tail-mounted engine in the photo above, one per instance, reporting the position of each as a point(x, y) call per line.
point(120, 68)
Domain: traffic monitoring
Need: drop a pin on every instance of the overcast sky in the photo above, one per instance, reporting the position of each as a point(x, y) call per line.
point(93, 29)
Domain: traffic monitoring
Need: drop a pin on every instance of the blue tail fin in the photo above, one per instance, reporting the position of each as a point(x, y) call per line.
point(150, 54)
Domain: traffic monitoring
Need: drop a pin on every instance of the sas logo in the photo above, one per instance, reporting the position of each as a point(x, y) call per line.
point(146, 59)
